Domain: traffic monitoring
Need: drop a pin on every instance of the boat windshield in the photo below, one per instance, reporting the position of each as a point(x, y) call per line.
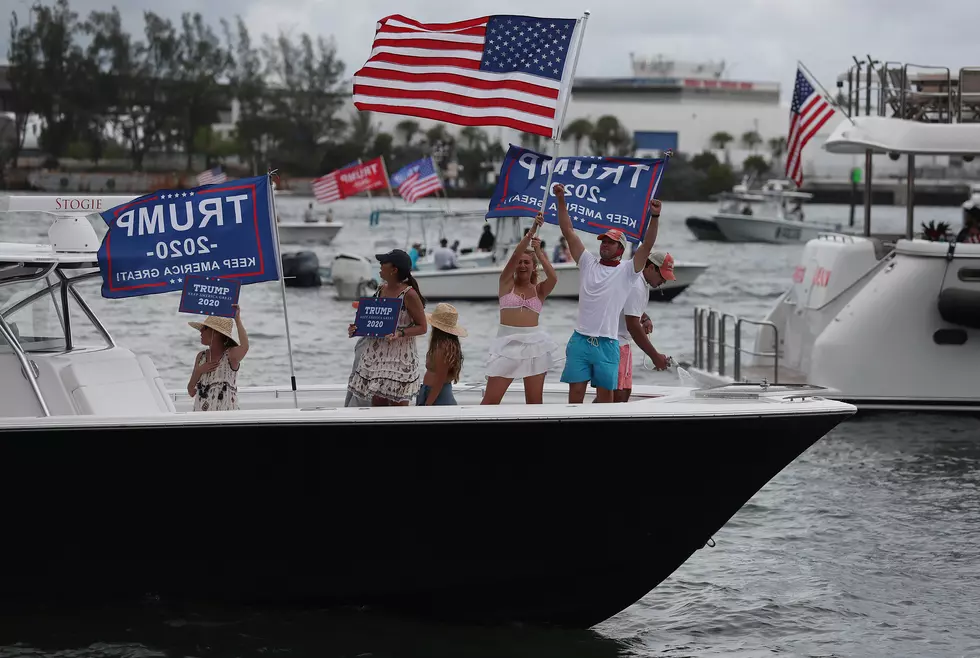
point(41, 317)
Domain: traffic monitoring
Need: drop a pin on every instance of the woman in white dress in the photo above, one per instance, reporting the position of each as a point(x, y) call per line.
point(522, 349)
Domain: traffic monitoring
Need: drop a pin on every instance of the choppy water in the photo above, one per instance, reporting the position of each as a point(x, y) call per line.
point(866, 546)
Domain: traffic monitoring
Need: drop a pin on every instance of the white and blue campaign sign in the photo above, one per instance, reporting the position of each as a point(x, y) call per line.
point(157, 240)
point(376, 316)
point(600, 192)
point(205, 295)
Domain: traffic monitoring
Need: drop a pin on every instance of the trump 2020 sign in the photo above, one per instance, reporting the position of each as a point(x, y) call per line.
point(600, 192)
point(219, 231)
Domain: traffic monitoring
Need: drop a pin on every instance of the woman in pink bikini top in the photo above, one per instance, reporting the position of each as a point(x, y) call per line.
point(522, 350)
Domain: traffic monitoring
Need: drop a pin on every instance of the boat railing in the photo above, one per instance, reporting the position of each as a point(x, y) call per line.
point(711, 343)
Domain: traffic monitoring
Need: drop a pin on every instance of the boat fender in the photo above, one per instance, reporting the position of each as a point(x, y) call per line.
point(960, 306)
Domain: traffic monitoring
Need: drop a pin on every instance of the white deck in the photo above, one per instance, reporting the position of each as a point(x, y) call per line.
point(891, 135)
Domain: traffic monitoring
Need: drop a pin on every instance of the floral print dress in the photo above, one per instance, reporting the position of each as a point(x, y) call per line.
point(217, 390)
point(388, 369)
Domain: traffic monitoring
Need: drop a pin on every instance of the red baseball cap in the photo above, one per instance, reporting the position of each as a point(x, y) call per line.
point(615, 235)
point(665, 262)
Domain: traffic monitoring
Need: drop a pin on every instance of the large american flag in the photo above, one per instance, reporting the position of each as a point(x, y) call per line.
point(490, 71)
point(417, 180)
point(212, 177)
point(810, 110)
point(325, 187)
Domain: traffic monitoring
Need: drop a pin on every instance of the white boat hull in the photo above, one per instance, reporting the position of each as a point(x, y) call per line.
point(354, 278)
point(472, 259)
point(303, 233)
point(749, 228)
point(911, 313)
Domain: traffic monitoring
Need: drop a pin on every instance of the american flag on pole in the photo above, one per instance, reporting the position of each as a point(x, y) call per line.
point(809, 111)
point(505, 71)
point(211, 177)
point(417, 180)
point(325, 188)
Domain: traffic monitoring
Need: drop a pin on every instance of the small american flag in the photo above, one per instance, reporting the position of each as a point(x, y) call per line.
point(211, 177)
point(810, 110)
point(325, 187)
point(417, 180)
point(491, 71)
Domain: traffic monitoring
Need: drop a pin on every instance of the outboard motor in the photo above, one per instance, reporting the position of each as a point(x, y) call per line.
point(301, 269)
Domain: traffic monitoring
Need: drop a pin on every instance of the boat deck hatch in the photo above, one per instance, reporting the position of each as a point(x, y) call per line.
point(751, 390)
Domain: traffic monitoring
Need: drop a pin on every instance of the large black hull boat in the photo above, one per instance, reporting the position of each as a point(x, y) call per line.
point(518, 520)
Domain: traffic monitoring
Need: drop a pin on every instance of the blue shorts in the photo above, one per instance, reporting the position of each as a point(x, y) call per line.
point(594, 359)
point(445, 396)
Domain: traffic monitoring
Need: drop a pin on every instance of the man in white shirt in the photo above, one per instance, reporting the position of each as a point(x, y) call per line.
point(308, 215)
point(443, 257)
point(592, 353)
point(659, 268)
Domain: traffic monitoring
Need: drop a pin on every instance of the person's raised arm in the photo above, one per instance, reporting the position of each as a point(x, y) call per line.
point(575, 246)
point(237, 353)
point(643, 251)
point(544, 287)
point(507, 274)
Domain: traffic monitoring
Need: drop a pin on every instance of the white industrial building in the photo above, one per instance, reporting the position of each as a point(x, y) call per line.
point(681, 105)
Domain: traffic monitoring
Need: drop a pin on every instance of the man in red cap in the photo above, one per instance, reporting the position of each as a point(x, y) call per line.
point(592, 353)
point(659, 268)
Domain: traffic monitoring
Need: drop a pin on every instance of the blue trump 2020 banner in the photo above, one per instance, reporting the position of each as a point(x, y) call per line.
point(205, 295)
point(220, 231)
point(376, 316)
point(601, 192)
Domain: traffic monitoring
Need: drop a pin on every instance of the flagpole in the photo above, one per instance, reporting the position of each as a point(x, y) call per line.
point(384, 168)
point(442, 185)
point(282, 286)
point(830, 99)
point(556, 134)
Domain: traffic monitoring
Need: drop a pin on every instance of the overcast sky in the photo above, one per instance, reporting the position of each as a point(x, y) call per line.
point(760, 40)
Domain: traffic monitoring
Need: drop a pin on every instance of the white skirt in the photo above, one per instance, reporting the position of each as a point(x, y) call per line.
point(519, 352)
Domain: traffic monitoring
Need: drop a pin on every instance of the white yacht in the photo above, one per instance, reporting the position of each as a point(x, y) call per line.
point(883, 325)
point(118, 492)
point(773, 213)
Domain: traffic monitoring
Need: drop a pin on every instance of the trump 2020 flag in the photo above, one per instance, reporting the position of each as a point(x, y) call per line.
point(222, 231)
point(600, 192)
point(502, 70)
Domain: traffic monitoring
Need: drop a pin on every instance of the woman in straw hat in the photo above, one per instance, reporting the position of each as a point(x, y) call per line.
point(444, 360)
point(212, 383)
point(522, 349)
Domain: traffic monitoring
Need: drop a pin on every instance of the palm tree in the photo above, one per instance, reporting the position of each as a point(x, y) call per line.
point(409, 129)
point(578, 130)
point(475, 137)
point(531, 141)
point(777, 146)
point(720, 140)
point(362, 130)
point(609, 137)
point(751, 139)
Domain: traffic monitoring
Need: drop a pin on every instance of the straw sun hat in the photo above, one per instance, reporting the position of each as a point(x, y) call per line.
point(221, 325)
point(444, 317)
